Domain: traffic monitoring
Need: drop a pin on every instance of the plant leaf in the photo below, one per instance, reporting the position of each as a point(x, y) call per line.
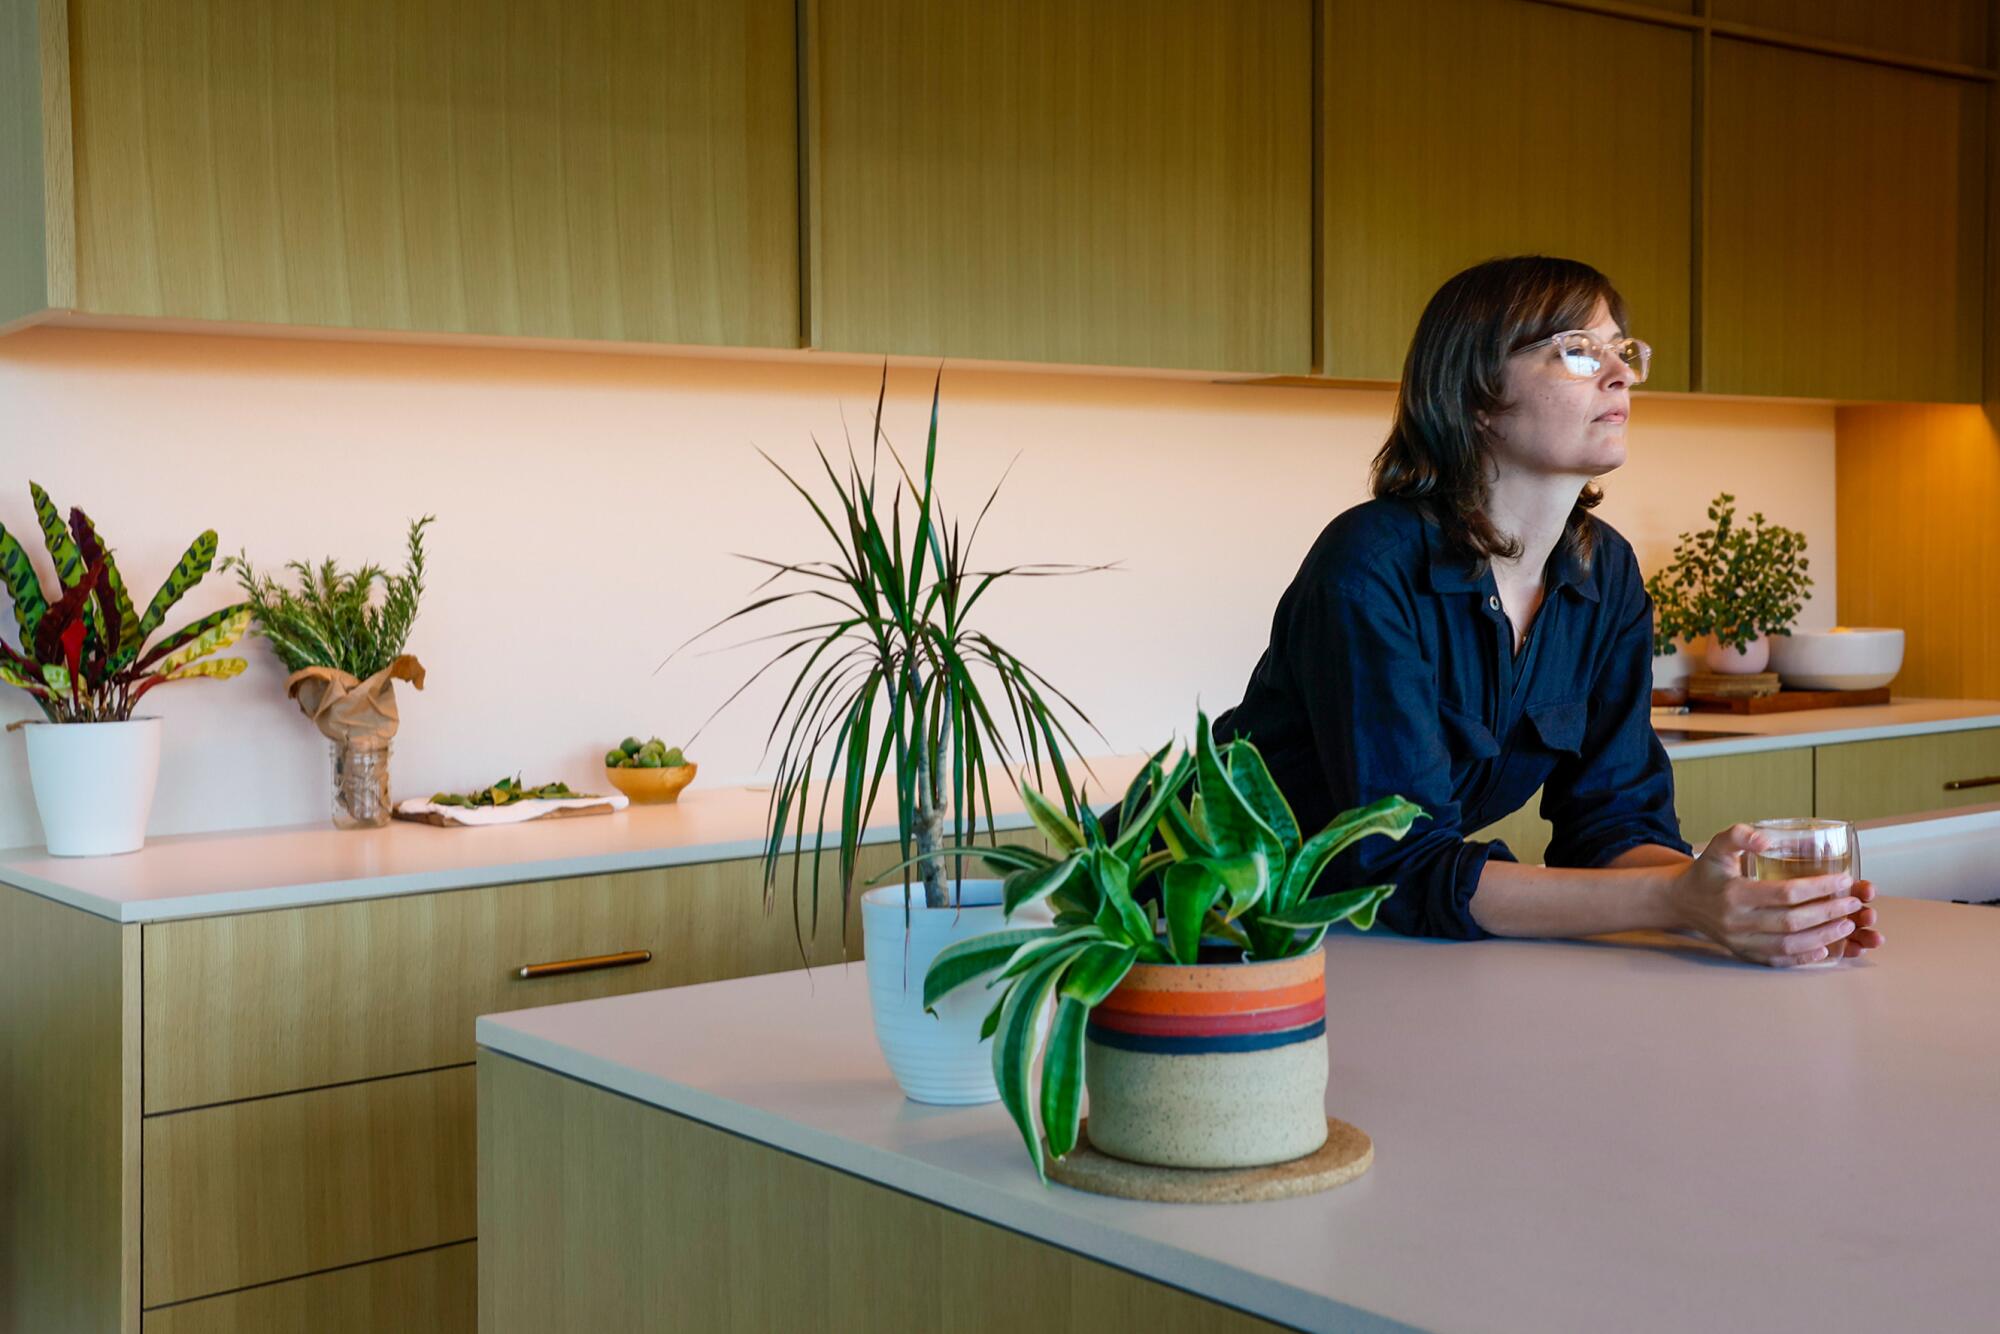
point(221, 635)
point(193, 565)
point(1031, 886)
point(1260, 791)
point(1190, 889)
point(221, 669)
point(1057, 827)
point(69, 562)
point(1062, 1076)
point(24, 586)
point(1392, 816)
point(958, 964)
point(1015, 1043)
point(1352, 905)
point(1233, 825)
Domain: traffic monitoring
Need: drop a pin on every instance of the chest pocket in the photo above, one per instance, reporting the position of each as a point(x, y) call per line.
point(1560, 725)
point(1469, 738)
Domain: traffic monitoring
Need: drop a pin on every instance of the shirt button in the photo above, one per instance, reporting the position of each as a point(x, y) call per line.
point(1493, 603)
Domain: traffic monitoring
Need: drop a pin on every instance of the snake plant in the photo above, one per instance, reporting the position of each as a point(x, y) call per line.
point(85, 654)
point(894, 672)
point(1235, 868)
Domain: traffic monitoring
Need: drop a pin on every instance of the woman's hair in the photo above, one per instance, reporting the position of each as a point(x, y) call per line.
point(1436, 451)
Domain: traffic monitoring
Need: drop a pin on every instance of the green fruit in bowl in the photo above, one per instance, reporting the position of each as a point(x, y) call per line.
point(648, 760)
point(614, 759)
point(630, 745)
point(675, 759)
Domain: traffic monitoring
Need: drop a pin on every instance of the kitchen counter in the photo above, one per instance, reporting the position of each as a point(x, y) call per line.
point(199, 875)
point(1567, 1135)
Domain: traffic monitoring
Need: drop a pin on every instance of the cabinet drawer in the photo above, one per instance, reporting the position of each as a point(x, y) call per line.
point(1906, 775)
point(1712, 794)
point(276, 1188)
point(433, 1291)
point(273, 1002)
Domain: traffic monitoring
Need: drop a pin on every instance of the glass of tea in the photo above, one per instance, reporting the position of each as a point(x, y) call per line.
point(1798, 848)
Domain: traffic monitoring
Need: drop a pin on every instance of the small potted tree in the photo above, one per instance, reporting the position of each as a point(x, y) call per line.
point(1222, 962)
point(1736, 583)
point(891, 674)
point(87, 657)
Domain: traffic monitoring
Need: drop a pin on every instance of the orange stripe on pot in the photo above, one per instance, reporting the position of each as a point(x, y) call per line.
point(1267, 975)
point(1137, 1000)
point(1208, 1025)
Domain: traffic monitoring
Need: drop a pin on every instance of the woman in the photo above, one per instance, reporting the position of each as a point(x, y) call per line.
point(1474, 633)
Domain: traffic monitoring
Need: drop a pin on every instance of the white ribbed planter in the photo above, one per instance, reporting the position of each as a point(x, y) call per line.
point(94, 784)
point(936, 1059)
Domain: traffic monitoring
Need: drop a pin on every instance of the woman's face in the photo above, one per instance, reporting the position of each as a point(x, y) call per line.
point(1555, 424)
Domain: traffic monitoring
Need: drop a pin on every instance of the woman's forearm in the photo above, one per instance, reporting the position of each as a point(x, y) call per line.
point(1632, 894)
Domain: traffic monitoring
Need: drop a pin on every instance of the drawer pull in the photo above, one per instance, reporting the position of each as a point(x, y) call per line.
point(625, 960)
point(1960, 784)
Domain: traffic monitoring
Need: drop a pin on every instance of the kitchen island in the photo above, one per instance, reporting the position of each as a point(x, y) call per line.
point(1639, 1135)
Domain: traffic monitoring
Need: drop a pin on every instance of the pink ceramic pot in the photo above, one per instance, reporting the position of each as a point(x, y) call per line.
point(1739, 662)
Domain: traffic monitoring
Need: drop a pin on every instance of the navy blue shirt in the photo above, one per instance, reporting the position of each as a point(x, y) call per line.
point(1391, 670)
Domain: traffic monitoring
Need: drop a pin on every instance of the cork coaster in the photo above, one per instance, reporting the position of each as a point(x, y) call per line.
point(1346, 1154)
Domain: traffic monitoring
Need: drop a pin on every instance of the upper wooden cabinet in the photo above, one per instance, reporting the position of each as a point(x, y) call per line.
point(1949, 30)
point(1085, 181)
point(548, 168)
point(1458, 130)
point(1846, 229)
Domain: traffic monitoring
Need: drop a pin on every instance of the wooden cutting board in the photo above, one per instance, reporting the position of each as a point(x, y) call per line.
point(1785, 701)
point(439, 820)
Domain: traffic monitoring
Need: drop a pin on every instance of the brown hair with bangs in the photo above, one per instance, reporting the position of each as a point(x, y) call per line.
point(1454, 376)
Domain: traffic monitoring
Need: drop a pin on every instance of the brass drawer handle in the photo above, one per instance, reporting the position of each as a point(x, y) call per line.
point(627, 959)
point(1960, 784)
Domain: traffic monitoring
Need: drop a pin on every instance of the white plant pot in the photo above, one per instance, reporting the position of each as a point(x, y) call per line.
point(94, 784)
point(1744, 661)
point(936, 1059)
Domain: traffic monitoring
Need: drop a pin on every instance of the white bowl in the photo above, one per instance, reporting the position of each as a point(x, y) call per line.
point(1842, 658)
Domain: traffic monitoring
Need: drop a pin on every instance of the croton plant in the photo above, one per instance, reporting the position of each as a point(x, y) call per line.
point(87, 653)
point(1235, 870)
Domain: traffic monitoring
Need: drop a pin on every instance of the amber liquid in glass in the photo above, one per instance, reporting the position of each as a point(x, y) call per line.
point(1770, 867)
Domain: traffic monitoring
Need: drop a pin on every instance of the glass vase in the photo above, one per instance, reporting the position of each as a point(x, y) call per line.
point(360, 784)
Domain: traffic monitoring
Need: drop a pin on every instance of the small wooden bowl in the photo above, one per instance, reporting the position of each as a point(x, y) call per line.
point(648, 786)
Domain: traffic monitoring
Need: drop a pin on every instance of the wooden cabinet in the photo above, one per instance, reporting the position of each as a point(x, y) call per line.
point(524, 167)
point(1458, 130)
point(1947, 30)
point(1084, 181)
point(1846, 229)
point(308, 1108)
point(1709, 795)
point(1868, 780)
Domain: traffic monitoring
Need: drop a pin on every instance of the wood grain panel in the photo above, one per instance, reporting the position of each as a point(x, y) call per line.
point(435, 1292)
point(1915, 541)
point(1954, 30)
point(277, 1187)
point(1712, 794)
point(1846, 229)
point(1867, 780)
point(1459, 130)
point(262, 1003)
point(1081, 181)
point(598, 1212)
point(34, 127)
point(550, 168)
point(69, 1119)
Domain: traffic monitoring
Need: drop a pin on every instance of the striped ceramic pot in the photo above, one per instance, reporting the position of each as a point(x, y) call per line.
point(1210, 1064)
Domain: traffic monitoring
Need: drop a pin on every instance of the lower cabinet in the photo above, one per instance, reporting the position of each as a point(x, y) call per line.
point(266, 1121)
point(1908, 775)
point(1709, 795)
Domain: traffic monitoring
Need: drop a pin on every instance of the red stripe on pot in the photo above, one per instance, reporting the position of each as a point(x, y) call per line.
point(1210, 1025)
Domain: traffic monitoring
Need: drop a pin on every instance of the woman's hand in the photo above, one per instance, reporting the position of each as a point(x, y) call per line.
point(1783, 923)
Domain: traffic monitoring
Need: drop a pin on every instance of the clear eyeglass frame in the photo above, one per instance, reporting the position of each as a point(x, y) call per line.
point(1582, 353)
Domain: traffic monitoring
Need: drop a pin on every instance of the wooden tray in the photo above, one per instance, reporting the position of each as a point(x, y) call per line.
point(1346, 1154)
point(1785, 701)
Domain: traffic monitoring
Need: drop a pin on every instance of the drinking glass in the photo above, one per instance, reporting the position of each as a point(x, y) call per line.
point(1798, 848)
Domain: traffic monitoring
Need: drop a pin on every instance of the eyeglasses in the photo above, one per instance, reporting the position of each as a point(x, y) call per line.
point(1583, 354)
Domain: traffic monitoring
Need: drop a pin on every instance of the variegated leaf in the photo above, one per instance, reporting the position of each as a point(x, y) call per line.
point(189, 571)
point(219, 668)
point(24, 585)
point(218, 636)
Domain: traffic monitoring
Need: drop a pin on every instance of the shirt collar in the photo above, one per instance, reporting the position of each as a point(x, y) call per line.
point(1450, 573)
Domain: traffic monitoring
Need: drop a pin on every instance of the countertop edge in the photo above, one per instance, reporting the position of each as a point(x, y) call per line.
point(1187, 1271)
point(1831, 736)
point(307, 894)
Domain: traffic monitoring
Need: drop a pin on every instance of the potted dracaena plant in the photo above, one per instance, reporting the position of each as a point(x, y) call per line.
point(893, 675)
point(1735, 582)
point(87, 657)
point(1225, 911)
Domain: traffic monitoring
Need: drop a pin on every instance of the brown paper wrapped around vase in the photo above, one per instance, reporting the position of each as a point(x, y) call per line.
point(359, 718)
